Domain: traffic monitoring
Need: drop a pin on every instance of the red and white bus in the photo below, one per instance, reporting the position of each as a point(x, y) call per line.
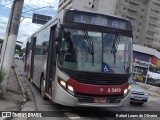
point(82, 59)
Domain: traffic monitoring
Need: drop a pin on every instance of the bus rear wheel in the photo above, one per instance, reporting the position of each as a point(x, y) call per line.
point(42, 88)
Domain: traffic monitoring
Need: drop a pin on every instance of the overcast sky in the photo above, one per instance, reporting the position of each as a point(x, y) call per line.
point(26, 27)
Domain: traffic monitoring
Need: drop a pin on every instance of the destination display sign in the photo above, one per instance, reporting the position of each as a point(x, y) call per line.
point(98, 19)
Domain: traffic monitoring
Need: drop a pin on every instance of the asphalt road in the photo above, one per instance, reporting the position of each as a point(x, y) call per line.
point(153, 104)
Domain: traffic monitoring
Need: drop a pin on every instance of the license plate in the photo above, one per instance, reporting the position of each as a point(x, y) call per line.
point(100, 100)
point(138, 98)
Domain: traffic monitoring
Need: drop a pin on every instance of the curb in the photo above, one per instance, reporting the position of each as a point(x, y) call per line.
point(23, 93)
point(25, 106)
point(20, 83)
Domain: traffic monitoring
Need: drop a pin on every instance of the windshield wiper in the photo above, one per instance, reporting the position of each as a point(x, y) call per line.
point(115, 46)
point(90, 46)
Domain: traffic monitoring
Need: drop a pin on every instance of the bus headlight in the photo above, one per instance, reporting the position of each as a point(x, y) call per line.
point(70, 88)
point(66, 86)
point(63, 83)
point(129, 87)
point(125, 91)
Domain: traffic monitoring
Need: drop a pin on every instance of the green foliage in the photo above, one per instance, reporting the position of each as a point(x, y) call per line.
point(19, 50)
point(18, 47)
point(24, 50)
point(27, 96)
point(21, 54)
point(148, 79)
point(154, 69)
point(1, 40)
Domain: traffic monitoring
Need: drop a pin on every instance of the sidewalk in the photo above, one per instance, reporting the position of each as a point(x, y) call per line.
point(12, 100)
point(18, 96)
point(152, 90)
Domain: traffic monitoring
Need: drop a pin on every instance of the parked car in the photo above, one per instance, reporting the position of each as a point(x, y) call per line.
point(138, 94)
point(16, 57)
point(155, 83)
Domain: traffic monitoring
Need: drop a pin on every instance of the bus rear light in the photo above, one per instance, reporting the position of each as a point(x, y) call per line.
point(63, 83)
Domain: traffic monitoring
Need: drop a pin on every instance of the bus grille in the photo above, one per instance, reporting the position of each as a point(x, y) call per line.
point(90, 98)
point(97, 78)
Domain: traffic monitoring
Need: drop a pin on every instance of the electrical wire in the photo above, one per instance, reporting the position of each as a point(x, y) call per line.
point(33, 9)
point(5, 4)
point(36, 9)
point(3, 23)
point(28, 3)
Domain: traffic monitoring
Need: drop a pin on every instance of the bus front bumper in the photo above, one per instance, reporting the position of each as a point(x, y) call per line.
point(63, 97)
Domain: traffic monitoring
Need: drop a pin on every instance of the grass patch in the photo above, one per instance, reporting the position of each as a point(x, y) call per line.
point(1, 76)
point(1, 79)
point(27, 96)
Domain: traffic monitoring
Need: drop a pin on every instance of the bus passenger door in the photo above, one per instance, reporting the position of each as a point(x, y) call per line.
point(51, 62)
point(32, 58)
point(26, 57)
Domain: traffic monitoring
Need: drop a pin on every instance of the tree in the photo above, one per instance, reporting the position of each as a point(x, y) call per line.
point(18, 47)
point(24, 50)
point(1, 40)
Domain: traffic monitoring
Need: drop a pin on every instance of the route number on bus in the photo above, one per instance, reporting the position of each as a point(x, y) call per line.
point(114, 90)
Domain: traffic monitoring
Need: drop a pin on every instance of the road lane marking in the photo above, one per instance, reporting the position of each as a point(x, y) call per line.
point(72, 116)
point(2, 118)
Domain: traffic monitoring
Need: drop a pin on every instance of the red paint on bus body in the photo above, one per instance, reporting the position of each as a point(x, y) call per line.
point(97, 89)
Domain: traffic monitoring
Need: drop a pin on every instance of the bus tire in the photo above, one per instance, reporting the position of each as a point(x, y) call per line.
point(42, 88)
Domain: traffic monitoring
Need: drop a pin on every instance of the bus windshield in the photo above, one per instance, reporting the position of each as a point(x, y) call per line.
point(92, 51)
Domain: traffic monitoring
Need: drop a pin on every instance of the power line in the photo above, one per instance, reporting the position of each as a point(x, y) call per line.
point(36, 9)
point(28, 6)
point(6, 4)
point(46, 2)
point(28, 3)
point(3, 22)
point(23, 35)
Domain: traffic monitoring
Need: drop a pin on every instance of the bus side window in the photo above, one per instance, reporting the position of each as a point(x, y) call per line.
point(27, 48)
point(45, 48)
point(37, 50)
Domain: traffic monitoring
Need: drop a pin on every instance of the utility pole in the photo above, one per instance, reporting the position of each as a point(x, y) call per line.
point(148, 70)
point(9, 43)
